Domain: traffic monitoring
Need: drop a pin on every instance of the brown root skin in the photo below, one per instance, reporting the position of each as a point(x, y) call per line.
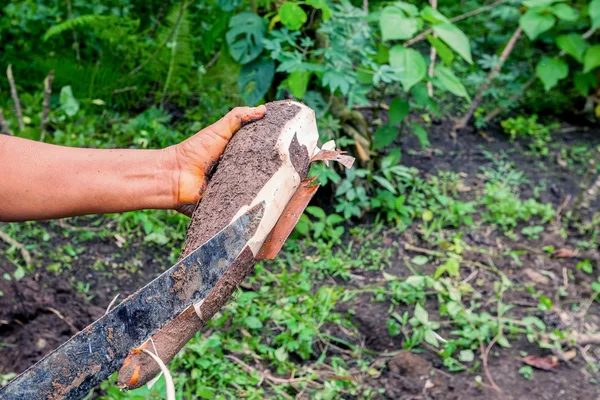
point(255, 159)
point(139, 368)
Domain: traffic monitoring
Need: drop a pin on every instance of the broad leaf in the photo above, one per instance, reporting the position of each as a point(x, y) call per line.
point(584, 83)
point(68, 102)
point(245, 37)
point(255, 79)
point(386, 184)
point(432, 15)
point(337, 80)
point(594, 11)
point(591, 59)
point(321, 5)
point(229, 5)
point(540, 3)
point(445, 79)
point(573, 44)
point(456, 39)
point(395, 25)
point(442, 50)
point(421, 134)
point(551, 70)
point(565, 12)
point(411, 63)
point(410, 9)
point(534, 24)
point(297, 82)
point(292, 15)
point(421, 313)
point(398, 111)
point(384, 135)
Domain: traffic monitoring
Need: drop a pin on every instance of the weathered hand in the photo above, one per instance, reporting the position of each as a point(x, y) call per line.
point(193, 158)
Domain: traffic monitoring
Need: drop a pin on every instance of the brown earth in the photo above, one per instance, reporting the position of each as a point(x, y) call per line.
point(29, 329)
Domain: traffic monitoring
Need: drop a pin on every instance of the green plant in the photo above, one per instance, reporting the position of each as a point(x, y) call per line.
point(526, 372)
point(538, 135)
point(585, 266)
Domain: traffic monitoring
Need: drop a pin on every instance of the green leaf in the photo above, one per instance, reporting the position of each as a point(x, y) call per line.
point(442, 50)
point(245, 37)
point(594, 11)
point(421, 313)
point(445, 79)
point(535, 24)
point(419, 260)
point(431, 338)
point(398, 111)
point(384, 135)
point(316, 212)
point(410, 9)
point(205, 392)
point(395, 25)
point(421, 134)
point(297, 82)
point(565, 12)
point(253, 323)
point(19, 273)
point(545, 303)
point(385, 183)
point(321, 5)
point(281, 354)
point(432, 15)
point(336, 80)
point(573, 44)
point(68, 102)
point(584, 83)
point(255, 79)
point(292, 15)
point(540, 3)
point(592, 58)
point(456, 39)
point(466, 356)
point(411, 63)
point(551, 70)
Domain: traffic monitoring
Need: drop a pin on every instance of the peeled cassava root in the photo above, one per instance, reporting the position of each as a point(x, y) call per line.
point(266, 161)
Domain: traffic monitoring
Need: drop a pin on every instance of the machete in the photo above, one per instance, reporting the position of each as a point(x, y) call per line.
point(91, 356)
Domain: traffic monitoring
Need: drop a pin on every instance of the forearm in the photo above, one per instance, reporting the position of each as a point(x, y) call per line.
point(42, 181)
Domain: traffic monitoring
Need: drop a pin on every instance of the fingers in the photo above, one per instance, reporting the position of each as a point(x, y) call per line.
point(232, 122)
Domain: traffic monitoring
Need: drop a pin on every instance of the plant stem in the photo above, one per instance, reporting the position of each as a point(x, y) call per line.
point(15, 97)
point(75, 41)
point(462, 123)
point(432, 56)
point(3, 126)
point(423, 35)
point(46, 104)
point(495, 112)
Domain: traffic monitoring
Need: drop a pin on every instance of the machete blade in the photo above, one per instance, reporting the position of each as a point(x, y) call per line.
point(91, 356)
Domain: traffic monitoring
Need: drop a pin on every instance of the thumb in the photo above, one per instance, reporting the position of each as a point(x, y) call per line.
point(233, 120)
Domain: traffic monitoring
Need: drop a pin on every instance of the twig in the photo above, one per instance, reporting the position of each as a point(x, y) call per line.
point(423, 35)
point(112, 303)
point(213, 60)
point(59, 315)
point(432, 55)
point(3, 125)
point(265, 374)
point(173, 53)
point(15, 97)
point(494, 113)
point(462, 123)
point(410, 247)
point(46, 104)
point(24, 252)
point(166, 373)
point(75, 41)
point(125, 89)
point(162, 45)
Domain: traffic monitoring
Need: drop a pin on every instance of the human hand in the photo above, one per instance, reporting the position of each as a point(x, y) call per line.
point(194, 157)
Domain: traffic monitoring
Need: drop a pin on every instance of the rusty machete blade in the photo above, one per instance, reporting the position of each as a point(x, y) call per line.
point(92, 355)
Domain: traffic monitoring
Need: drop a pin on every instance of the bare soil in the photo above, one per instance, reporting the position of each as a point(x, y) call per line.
point(29, 328)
